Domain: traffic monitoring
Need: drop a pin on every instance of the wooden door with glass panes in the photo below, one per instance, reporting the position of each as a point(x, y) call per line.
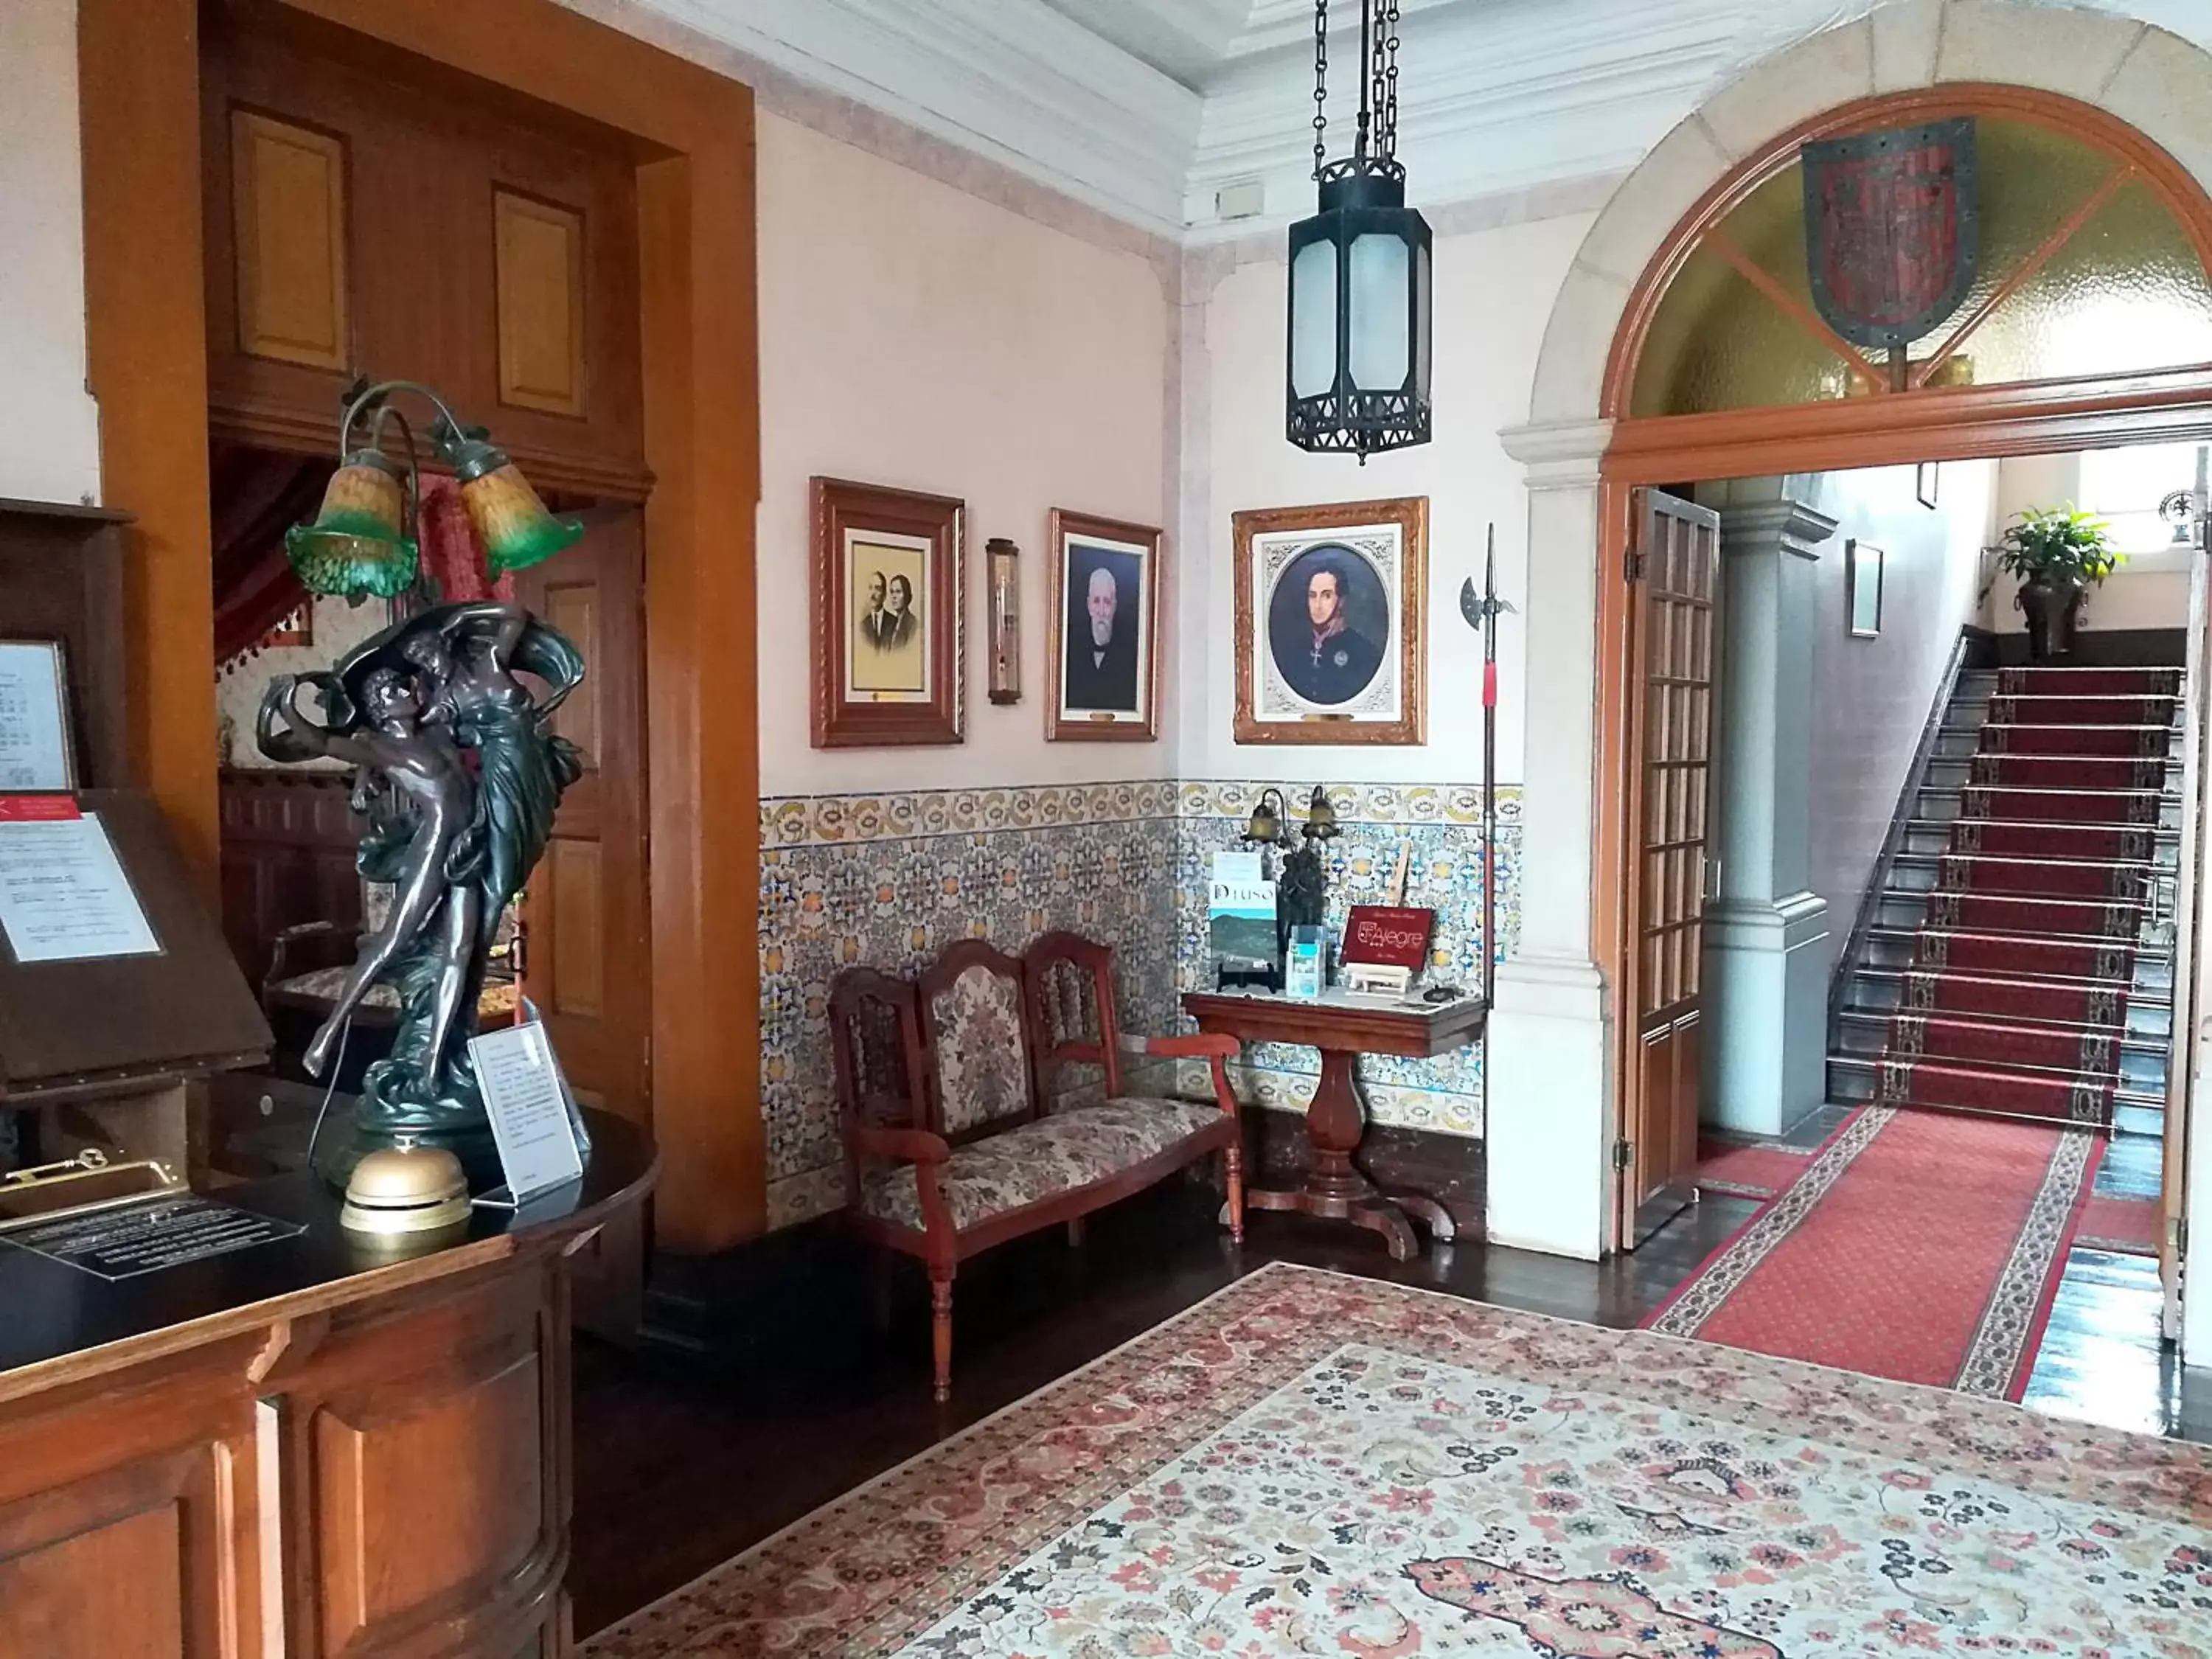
point(1674, 570)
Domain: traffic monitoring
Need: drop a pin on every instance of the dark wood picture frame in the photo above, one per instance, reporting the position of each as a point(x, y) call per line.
point(1856, 623)
point(932, 529)
point(57, 652)
point(1408, 646)
point(1141, 724)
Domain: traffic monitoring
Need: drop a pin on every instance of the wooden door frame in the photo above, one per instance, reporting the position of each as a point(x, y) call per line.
point(1960, 424)
point(692, 133)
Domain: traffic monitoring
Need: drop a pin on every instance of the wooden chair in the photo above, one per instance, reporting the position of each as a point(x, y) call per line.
point(951, 1143)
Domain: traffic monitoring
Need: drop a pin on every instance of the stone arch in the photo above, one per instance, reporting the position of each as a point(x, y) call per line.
point(1552, 1124)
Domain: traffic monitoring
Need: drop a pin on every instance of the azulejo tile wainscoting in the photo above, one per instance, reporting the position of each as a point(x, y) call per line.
point(1444, 824)
point(892, 880)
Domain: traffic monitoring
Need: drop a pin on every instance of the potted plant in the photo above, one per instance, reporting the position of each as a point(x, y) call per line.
point(2057, 552)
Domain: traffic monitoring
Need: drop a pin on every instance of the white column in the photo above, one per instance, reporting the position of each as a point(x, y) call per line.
point(1551, 1105)
point(1766, 958)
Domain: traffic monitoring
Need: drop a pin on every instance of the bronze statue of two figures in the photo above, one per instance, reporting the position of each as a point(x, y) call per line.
point(458, 773)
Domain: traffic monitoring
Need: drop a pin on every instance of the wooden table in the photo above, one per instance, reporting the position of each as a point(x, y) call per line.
point(1343, 1027)
point(311, 1446)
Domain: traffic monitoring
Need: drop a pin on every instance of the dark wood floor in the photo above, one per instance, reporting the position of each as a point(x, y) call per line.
point(685, 1461)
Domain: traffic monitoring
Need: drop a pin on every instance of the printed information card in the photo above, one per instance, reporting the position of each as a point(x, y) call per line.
point(63, 897)
point(527, 1101)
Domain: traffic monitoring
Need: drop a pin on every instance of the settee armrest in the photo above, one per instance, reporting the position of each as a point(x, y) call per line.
point(922, 1152)
point(1208, 1045)
point(1216, 1049)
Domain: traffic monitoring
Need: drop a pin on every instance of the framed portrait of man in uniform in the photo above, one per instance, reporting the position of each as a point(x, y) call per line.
point(1329, 623)
point(1105, 623)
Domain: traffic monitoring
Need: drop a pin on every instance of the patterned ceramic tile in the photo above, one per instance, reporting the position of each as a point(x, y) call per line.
point(889, 880)
point(1442, 824)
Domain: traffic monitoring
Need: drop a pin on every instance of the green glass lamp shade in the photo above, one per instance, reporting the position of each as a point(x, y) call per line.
point(512, 523)
point(358, 543)
point(1320, 815)
point(1266, 826)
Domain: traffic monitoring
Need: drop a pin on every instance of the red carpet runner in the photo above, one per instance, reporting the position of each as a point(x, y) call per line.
point(1920, 1246)
point(2017, 989)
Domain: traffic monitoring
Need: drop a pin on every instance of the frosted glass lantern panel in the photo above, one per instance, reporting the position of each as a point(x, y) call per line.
point(1313, 321)
point(1382, 313)
point(1423, 305)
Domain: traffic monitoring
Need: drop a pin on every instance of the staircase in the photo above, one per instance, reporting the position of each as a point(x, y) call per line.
point(2020, 961)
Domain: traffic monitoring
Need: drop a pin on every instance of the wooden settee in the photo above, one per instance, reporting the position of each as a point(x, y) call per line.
point(969, 1118)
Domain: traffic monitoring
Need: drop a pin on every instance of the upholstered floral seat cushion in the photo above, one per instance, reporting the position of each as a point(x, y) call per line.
point(1035, 1161)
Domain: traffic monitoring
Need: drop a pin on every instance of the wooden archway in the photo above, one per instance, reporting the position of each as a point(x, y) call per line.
point(1951, 423)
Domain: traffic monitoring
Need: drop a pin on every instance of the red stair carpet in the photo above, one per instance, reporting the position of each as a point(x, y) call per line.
point(2017, 994)
point(1924, 1247)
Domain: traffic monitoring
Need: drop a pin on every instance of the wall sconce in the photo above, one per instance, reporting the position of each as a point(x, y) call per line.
point(1006, 621)
point(1265, 827)
point(362, 540)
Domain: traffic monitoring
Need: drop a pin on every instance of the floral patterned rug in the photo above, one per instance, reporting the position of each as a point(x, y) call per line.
point(1311, 1464)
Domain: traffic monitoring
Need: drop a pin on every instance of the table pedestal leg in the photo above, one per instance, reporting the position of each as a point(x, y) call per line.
point(1334, 1188)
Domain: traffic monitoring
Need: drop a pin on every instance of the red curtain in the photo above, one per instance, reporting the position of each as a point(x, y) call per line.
point(255, 496)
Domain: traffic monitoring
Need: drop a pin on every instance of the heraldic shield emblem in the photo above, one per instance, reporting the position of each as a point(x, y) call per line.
point(1892, 237)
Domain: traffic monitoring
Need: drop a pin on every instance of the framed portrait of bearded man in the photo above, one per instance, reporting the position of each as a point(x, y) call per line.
point(1330, 604)
point(1105, 630)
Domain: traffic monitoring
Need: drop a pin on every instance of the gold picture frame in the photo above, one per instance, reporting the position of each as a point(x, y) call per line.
point(1331, 619)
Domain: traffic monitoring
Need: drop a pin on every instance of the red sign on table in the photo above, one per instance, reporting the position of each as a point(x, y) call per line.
point(38, 809)
point(1389, 935)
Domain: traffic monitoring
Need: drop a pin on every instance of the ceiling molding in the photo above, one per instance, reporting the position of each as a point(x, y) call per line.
point(1013, 80)
point(1101, 100)
point(1492, 99)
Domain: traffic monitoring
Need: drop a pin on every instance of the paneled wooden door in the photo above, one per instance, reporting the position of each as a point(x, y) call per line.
point(587, 955)
point(1673, 568)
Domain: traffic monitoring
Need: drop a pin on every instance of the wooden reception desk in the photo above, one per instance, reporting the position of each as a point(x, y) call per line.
point(300, 1448)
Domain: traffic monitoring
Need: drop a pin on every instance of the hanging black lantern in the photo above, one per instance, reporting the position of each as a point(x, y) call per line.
point(1359, 311)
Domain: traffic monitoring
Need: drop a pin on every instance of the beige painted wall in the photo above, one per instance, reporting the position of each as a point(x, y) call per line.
point(917, 335)
point(1494, 289)
point(48, 425)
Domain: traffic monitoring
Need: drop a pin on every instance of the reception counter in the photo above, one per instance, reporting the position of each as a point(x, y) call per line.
point(301, 1448)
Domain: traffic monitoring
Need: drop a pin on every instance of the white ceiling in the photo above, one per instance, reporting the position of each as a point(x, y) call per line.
point(1147, 109)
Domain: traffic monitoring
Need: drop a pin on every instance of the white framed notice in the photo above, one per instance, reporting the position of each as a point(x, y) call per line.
point(63, 895)
point(35, 751)
point(527, 1101)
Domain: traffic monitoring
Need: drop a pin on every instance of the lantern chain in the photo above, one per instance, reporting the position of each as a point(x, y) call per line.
point(1320, 86)
point(1386, 85)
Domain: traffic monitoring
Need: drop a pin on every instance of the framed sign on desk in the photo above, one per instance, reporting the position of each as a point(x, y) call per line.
point(38, 747)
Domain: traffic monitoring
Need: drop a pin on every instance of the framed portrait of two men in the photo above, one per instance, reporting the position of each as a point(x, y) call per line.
point(1105, 630)
point(886, 592)
point(1330, 604)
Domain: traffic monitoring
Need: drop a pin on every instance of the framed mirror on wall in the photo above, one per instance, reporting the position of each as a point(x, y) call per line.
point(1863, 572)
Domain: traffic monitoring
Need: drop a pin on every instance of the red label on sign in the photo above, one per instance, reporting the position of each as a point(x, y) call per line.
point(1391, 935)
point(38, 809)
